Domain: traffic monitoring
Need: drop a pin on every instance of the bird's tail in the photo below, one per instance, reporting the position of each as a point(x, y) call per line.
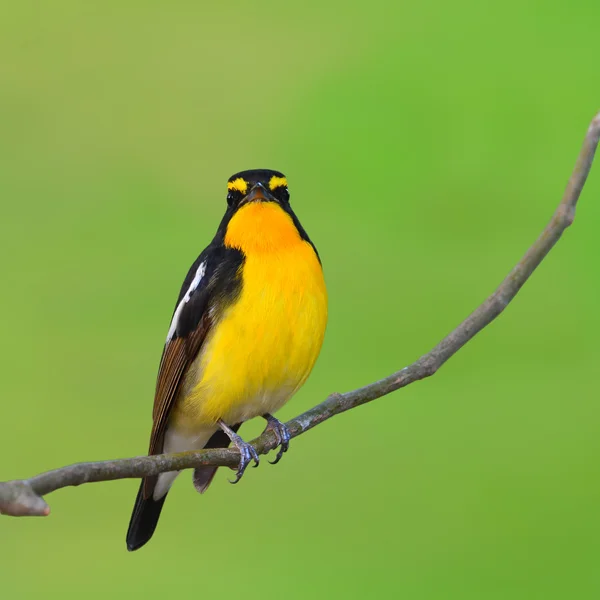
point(144, 518)
point(146, 510)
point(203, 476)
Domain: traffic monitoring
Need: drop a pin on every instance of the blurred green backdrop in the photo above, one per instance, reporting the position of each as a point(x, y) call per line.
point(426, 146)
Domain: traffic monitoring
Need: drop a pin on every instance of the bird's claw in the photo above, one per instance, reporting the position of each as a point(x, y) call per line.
point(282, 435)
point(247, 455)
point(247, 451)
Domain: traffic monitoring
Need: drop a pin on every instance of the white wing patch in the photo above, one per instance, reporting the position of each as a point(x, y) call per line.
point(193, 286)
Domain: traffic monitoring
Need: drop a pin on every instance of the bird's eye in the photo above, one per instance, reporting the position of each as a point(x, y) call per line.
point(284, 194)
point(230, 198)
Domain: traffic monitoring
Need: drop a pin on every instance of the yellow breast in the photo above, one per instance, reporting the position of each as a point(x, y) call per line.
point(265, 345)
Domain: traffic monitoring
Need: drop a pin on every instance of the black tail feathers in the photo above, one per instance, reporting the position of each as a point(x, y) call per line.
point(146, 512)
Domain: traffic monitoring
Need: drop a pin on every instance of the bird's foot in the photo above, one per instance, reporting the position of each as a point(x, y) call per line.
point(282, 435)
point(247, 451)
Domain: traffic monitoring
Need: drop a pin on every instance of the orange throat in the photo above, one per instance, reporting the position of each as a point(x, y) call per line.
point(261, 227)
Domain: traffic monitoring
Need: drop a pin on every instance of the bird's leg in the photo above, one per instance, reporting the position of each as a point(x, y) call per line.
point(247, 451)
point(282, 435)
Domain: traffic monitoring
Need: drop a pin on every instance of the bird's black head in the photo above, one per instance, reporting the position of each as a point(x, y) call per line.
point(257, 185)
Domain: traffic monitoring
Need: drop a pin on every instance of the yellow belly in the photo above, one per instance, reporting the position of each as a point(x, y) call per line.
point(265, 345)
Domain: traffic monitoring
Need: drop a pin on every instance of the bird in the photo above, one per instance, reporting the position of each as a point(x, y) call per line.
point(246, 331)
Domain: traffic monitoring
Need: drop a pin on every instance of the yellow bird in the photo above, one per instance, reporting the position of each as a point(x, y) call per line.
point(245, 334)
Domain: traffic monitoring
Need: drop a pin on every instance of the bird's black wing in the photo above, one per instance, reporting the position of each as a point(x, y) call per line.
point(212, 283)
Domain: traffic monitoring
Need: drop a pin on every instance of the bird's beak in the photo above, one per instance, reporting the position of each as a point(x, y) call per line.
point(258, 193)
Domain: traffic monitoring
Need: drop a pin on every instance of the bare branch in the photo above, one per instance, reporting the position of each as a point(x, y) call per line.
point(19, 498)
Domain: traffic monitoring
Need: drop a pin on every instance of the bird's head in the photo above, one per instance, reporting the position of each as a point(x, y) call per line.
point(257, 185)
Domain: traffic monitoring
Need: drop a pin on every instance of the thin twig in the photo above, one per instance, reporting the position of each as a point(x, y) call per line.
point(19, 498)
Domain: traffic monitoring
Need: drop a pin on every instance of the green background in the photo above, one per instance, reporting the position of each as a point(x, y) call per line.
point(426, 145)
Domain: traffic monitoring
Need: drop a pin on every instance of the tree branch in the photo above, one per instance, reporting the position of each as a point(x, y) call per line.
point(24, 498)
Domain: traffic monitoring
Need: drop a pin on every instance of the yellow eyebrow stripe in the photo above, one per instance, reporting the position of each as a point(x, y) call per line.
point(276, 182)
point(239, 185)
